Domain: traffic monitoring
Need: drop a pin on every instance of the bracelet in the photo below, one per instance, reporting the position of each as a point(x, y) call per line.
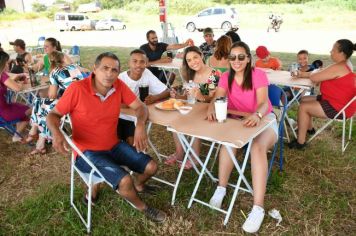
point(259, 114)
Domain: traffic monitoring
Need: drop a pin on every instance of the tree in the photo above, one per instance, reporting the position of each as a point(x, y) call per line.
point(38, 7)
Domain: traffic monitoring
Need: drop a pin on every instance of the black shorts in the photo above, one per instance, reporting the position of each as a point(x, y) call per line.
point(125, 129)
point(329, 111)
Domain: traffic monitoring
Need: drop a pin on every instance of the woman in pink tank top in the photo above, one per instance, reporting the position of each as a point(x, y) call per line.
point(337, 87)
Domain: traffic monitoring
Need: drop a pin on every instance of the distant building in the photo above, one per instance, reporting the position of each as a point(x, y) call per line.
point(17, 5)
point(89, 7)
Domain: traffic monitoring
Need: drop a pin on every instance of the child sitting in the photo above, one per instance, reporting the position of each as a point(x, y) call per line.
point(265, 60)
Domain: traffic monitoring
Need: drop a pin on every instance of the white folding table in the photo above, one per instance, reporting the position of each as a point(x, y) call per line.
point(165, 118)
point(284, 78)
point(175, 65)
point(231, 134)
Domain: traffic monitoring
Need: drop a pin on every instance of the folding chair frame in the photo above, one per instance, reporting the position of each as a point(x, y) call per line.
point(277, 92)
point(9, 126)
point(89, 179)
point(344, 119)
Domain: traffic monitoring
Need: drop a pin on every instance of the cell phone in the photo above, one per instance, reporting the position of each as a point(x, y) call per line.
point(235, 117)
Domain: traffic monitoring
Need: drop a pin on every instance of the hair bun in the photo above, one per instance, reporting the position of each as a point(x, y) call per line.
point(355, 47)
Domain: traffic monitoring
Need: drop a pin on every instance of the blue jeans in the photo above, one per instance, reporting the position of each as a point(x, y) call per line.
point(109, 162)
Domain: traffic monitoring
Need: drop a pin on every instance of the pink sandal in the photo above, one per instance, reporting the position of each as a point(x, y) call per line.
point(188, 165)
point(171, 159)
point(36, 151)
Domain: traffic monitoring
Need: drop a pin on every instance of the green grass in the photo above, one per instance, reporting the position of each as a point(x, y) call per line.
point(315, 193)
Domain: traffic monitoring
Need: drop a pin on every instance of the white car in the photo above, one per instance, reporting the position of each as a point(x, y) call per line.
point(225, 18)
point(110, 24)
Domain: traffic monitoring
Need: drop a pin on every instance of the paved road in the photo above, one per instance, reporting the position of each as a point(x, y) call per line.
point(319, 42)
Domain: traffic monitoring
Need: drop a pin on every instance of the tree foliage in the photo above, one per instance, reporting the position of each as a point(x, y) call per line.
point(38, 7)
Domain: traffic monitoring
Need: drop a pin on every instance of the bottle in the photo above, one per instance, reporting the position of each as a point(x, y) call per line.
point(31, 73)
point(190, 96)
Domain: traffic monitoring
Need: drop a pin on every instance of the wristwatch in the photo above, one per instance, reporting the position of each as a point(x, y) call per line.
point(259, 114)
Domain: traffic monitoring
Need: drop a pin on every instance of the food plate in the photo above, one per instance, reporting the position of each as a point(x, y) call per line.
point(160, 106)
point(170, 104)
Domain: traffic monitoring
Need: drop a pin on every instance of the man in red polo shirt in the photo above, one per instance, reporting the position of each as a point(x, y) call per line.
point(94, 107)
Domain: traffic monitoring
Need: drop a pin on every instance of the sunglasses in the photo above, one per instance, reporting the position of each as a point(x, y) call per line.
point(240, 57)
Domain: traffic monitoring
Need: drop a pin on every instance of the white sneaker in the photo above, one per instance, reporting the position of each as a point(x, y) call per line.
point(218, 197)
point(254, 220)
point(293, 123)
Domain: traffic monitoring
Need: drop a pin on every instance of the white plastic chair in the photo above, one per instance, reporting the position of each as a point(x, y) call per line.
point(344, 120)
point(90, 179)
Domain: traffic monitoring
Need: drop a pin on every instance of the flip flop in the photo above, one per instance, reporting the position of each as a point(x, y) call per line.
point(149, 189)
point(188, 165)
point(31, 137)
point(93, 200)
point(171, 159)
point(41, 151)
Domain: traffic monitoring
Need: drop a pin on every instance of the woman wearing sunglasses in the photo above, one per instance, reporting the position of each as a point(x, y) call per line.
point(207, 78)
point(247, 91)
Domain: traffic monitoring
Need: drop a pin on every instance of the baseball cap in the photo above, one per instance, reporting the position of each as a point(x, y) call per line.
point(208, 30)
point(18, 42)
point(262, 52)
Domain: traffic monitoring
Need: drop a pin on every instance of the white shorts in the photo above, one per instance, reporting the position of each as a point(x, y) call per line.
point(274, 125)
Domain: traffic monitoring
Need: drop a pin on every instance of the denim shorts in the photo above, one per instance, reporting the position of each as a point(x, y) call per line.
point(109, 162)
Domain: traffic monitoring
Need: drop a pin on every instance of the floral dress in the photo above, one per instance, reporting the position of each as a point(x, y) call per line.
point(61, 77)
point(212, 83)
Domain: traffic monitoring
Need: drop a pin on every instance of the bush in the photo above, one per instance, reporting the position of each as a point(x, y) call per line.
point(51, 12)
point(38, 7)
point(181, 7)
point(344, 5)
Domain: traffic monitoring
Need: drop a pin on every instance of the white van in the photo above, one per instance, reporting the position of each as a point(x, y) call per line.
point(72, 21)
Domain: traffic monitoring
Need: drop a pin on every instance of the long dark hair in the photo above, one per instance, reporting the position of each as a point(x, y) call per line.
point(187, 72)
point(247, 79)
point(4, 57)
point(346, 46)
point(54, 43)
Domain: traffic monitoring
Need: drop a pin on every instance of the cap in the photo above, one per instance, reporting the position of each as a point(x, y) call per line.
point(208, 31)
point(18, 42)
point(262, 52)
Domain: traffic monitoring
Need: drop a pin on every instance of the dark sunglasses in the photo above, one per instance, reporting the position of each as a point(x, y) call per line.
point(240, 57)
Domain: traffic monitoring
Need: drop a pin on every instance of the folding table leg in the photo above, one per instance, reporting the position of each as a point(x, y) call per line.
point(192, 198)
point(188, 149)
point(241, 178)
point(151, 144)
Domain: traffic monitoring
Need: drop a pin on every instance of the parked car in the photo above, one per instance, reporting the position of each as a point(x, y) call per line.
point(225, 18)
point(110, 24)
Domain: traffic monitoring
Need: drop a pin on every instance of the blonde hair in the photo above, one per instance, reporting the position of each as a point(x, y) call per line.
point(56, 59)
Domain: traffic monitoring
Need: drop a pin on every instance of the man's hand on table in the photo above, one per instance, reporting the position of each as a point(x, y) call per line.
point(150, 99)
point(165, 60)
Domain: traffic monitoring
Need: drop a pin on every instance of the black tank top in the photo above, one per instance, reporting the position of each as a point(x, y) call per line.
point(18, 68)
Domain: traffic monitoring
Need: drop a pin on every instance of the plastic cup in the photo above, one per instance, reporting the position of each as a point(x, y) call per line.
point(144, 91)
point(221, 110)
